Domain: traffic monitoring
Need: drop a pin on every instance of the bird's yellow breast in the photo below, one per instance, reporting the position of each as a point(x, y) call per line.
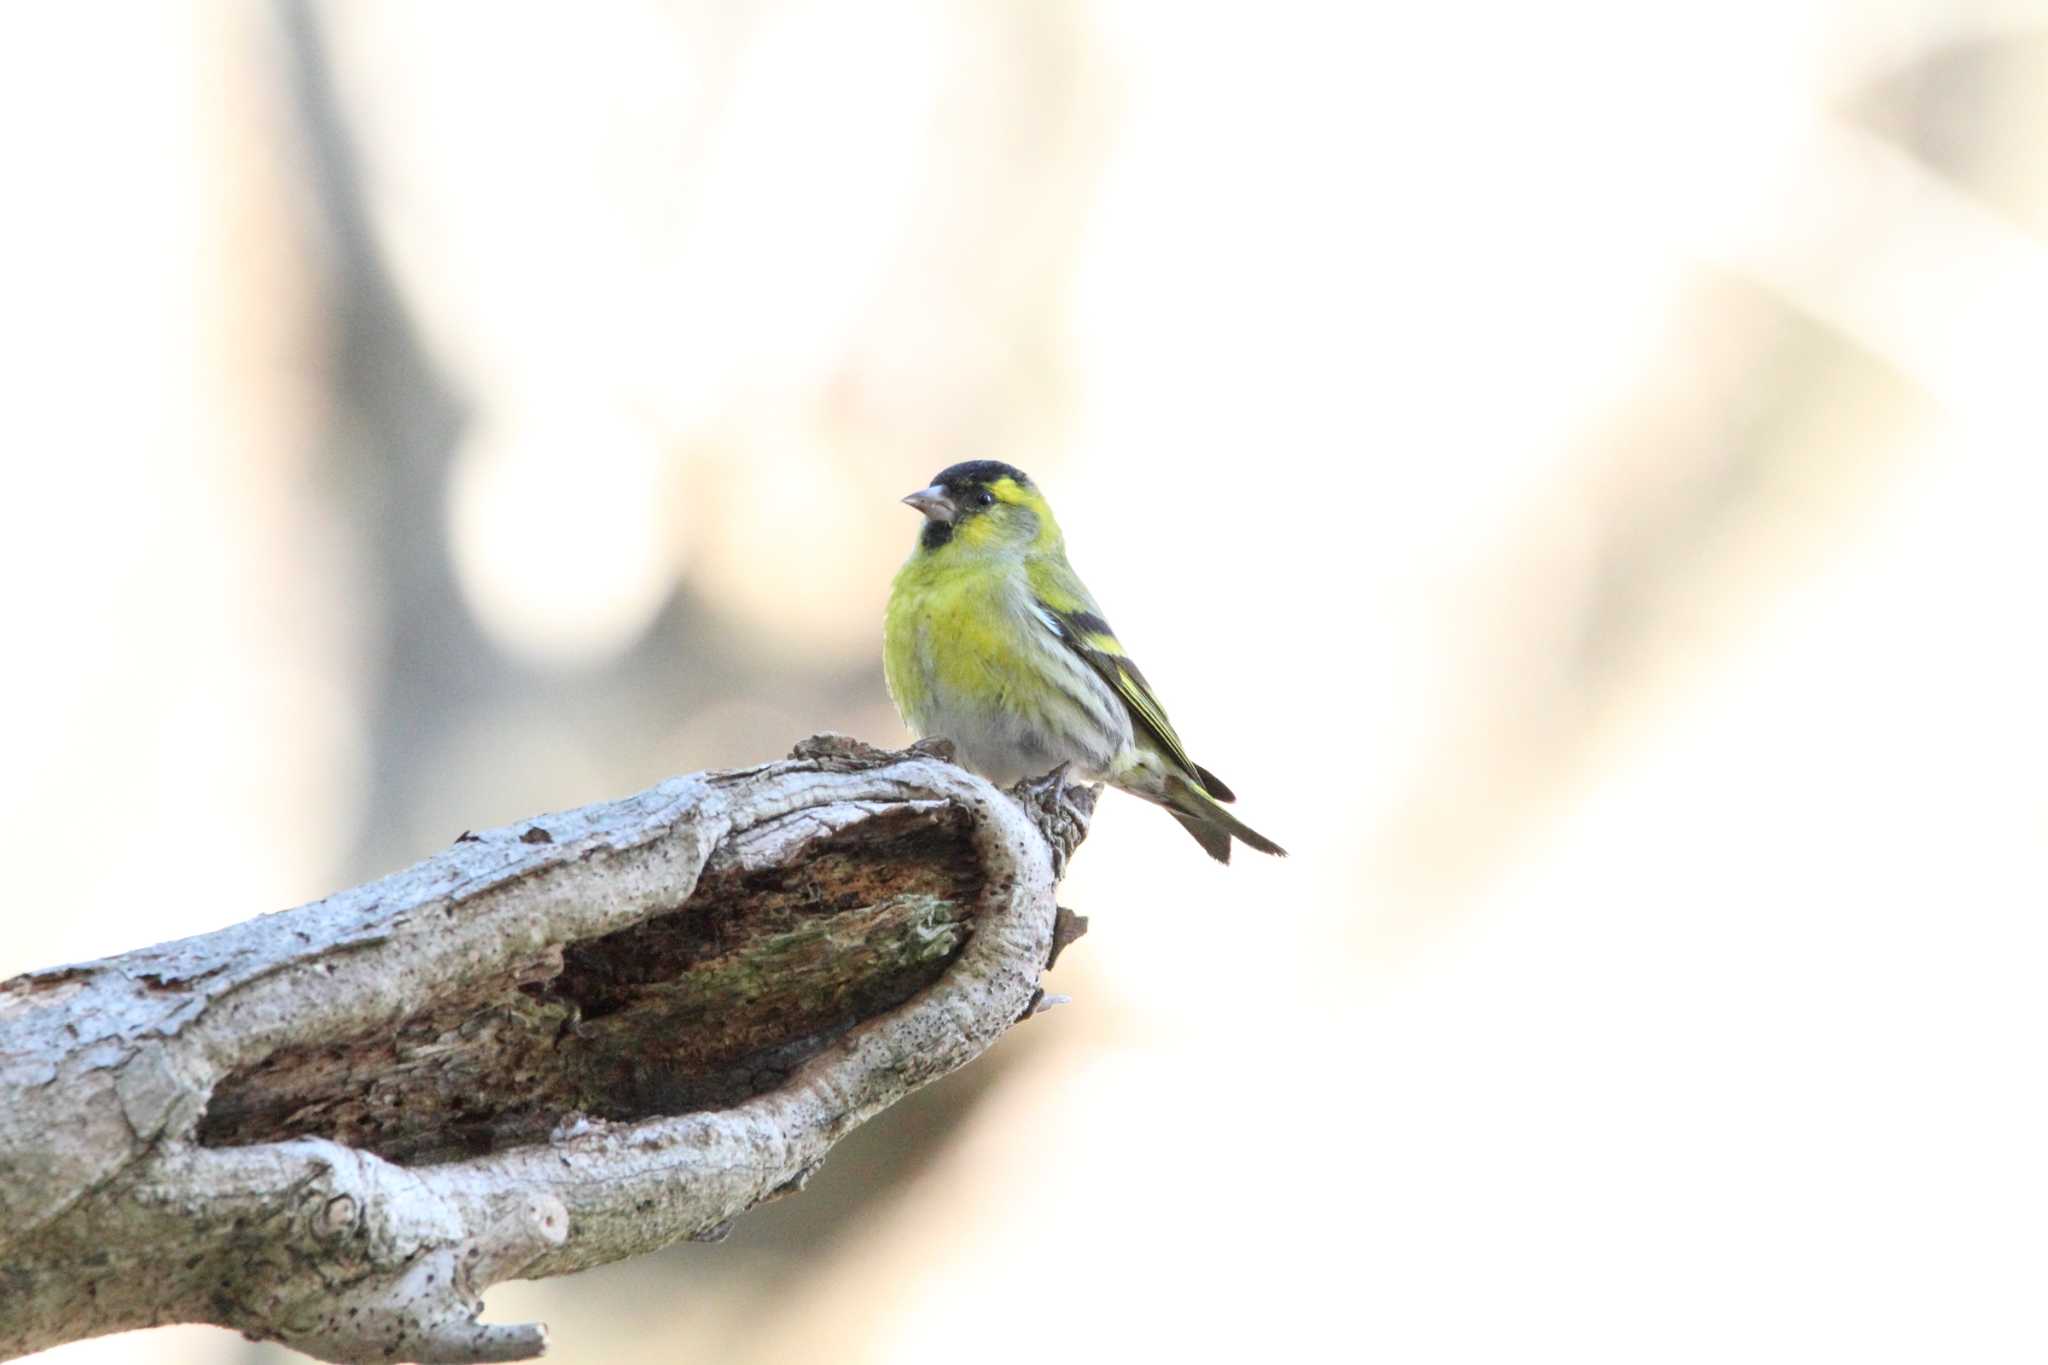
point(948, 634)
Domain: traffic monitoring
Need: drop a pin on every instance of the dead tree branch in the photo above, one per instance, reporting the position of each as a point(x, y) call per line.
point(552, 1045)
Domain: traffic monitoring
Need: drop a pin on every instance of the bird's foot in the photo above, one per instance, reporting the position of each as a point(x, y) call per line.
point(937, 746)
point(1060, 810)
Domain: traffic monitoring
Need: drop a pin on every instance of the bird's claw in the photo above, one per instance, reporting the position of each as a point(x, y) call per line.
point(935, 746)
point(1060, 810)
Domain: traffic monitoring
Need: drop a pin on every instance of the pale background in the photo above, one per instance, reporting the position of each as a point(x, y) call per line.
point(1576, 469)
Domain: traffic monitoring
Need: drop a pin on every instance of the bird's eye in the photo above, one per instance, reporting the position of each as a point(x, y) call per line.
point(985, 498)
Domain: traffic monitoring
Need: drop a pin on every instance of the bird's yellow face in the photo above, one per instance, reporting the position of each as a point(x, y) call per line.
point(984, 507)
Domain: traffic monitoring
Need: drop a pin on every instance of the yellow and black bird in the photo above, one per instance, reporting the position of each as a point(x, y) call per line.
point(992, 641)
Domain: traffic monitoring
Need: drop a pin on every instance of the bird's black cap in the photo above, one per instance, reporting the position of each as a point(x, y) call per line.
point(978, 474)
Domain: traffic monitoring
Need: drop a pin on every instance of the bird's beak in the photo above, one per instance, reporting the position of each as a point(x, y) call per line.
point(935, 503)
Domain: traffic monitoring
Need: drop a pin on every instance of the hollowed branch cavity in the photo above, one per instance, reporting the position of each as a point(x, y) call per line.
point(698, 1007)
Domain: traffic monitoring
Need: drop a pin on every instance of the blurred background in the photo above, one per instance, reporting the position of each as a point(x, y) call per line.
point(1577, 470)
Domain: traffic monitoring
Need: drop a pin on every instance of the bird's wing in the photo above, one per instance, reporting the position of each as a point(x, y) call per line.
point(1065, 607)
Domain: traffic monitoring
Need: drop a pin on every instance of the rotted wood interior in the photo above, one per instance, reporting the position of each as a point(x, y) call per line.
point(702, 1006)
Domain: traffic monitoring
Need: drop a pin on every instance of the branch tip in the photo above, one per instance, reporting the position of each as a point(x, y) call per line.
point(1066, 927)
point(1041, 1003)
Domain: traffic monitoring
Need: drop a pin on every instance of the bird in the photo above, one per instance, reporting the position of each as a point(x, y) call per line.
point(992, 641)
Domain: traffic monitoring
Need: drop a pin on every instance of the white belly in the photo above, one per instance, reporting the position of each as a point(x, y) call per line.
point(1007, 747)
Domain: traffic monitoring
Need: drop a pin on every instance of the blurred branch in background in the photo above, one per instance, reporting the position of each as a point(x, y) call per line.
point(395, 423)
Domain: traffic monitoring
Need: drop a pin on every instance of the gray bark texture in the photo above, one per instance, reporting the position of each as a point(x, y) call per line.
point(552, 1045)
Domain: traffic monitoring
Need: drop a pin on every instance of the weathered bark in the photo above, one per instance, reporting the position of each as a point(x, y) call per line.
point(553, 1045)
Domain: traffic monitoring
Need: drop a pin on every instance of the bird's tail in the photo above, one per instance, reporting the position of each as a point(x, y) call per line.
point(1212, 826)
